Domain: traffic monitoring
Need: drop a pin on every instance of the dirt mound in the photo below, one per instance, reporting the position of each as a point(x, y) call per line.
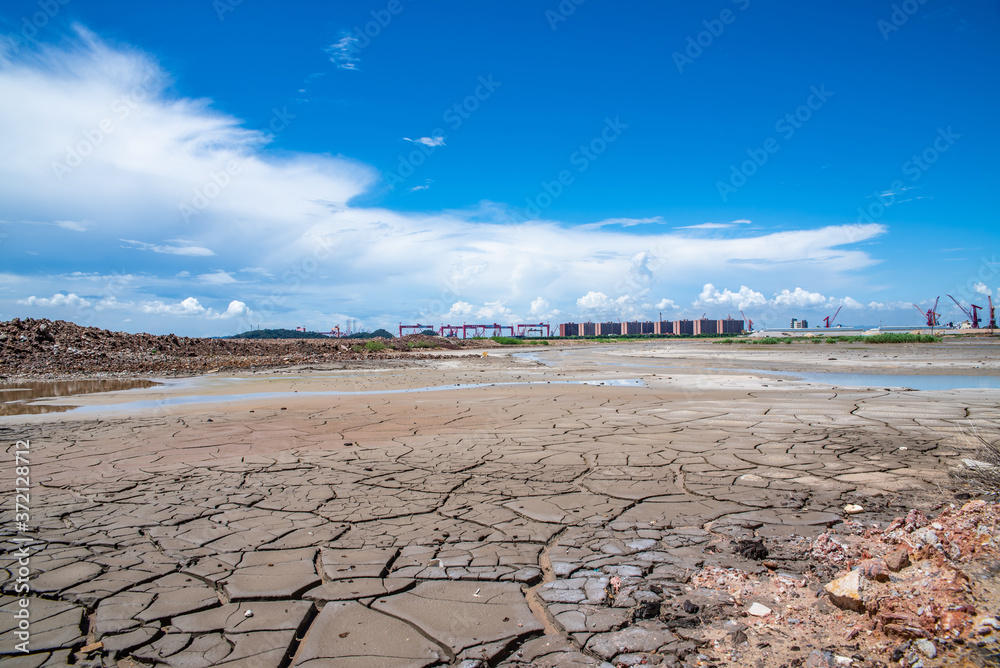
point(43, 347)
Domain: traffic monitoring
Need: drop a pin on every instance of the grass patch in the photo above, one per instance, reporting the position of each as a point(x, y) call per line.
point(508, 340)
point(420, 344)
point(374, 346)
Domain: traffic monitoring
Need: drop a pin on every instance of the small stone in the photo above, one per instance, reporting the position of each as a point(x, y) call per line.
point(842, 660)
point(759, 610)
point(897, 560)
point(853, 509)
point(248, 613)
point(845, 592)
point(926, 647)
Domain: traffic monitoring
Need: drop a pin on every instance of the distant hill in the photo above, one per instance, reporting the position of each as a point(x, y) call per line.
point(277, 334)
point(378, 333)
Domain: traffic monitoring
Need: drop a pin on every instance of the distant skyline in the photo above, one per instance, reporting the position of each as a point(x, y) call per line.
point(209, 166)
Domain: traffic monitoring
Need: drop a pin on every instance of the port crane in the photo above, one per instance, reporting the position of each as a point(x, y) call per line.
point(973, 316)
point(993, 313)
point(931, 314)
point(749, 321)
point(830, 318)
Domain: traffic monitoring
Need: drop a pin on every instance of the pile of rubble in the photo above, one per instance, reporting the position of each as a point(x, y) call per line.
point(917, 593)
point(42, 347)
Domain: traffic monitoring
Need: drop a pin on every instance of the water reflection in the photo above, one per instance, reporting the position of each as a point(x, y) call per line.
point(16, 395)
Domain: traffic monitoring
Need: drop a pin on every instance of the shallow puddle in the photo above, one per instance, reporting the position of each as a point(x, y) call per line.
point(15, 397)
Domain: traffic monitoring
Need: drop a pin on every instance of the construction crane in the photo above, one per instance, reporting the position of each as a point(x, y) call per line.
point(830, 318)
point(749, 321)
point(973, 316)
point(993, 314)
point(931, 314)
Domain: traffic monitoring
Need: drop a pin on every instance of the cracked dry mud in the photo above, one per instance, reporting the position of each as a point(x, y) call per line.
point(512, 525)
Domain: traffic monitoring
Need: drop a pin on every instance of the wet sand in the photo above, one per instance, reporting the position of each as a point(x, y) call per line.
point(483, 521)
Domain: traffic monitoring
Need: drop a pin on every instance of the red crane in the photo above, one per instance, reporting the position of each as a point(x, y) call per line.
point(931, 314)
point(993, 314)
point(973, 316)
point(749, 321)
point(830, 318)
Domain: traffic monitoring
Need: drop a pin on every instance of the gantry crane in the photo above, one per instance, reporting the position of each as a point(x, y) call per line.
point(972, 316)
point(993, 313)
point(931, 314)
point(830, 318)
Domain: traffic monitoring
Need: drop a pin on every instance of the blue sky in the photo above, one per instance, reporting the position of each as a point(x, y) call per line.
point(202, 167)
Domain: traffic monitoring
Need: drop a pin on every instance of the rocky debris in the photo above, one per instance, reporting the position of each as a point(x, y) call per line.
point(845, 592)
point(44, 348)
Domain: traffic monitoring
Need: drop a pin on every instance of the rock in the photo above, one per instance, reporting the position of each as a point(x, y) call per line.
point(897, 560)
point(751, 549)
point(690, 608)
point(926, 647)
point(759, 610)
point(874, 569)
point(818, 659)
point(630, 640)
point(853, 509)
point(845, 592)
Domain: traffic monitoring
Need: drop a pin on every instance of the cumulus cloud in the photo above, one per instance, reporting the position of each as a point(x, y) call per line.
point(56, 301)
point(539, 306)
point(983, 290)
point(744, 298)
point(799, 298)
point(192, 307)
point(666, 304)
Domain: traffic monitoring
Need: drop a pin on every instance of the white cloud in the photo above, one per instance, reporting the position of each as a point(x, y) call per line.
point(190, 306)
point(344, 53)
point(745, 298)
point(427, 141)
point(182, 247)
point(983, 290)
point(799, 298)
point(55, 301)
point(715, 226)
point(539, 306)
point(666, 304)
point(73, 225)
point(621, 222)
point(236, 308)
point(218, 277)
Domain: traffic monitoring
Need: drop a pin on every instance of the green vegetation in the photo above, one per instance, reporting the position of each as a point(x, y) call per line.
point(374, 346)
point(429, 332)
point(508, 340)
point(421, 344)
point(277, 334)
point(377, 334)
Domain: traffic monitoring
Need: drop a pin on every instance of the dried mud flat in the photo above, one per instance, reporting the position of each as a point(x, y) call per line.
point(604, 509)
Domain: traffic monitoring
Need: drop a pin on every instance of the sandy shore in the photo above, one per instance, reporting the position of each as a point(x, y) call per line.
point(523, 508)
